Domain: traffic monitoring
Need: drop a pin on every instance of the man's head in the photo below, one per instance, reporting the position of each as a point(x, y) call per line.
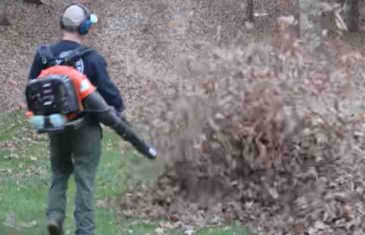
point(77, 19)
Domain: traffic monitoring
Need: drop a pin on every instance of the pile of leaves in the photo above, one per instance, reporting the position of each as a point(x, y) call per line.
point(269, 136)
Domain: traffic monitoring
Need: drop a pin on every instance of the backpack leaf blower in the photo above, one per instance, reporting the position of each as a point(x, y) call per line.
point(60, 96)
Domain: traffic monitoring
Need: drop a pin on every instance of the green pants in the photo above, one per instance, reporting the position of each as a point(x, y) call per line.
point(76, 152)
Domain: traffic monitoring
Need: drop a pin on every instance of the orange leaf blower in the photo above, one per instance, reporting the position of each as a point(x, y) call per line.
point(59, 98)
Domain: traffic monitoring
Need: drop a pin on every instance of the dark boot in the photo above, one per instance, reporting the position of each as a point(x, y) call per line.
point(54, 228)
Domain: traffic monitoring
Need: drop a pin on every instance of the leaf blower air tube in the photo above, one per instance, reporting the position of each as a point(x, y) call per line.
point(105, 114)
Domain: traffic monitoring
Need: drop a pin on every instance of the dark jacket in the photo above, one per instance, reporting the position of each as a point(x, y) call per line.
point(93, 65)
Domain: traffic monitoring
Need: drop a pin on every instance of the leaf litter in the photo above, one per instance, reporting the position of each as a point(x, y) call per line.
point(266, 134)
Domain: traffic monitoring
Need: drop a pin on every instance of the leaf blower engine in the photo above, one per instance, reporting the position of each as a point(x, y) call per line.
point(58, 99)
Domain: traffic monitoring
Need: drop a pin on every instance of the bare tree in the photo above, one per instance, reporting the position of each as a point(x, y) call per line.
point(4, 21)
point(352, 14)
point(310, 22)
point(249, 11)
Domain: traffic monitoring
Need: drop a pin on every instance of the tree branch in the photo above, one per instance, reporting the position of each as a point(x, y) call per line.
point(37, 2)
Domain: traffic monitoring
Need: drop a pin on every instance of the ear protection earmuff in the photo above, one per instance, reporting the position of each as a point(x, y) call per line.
point(84, 26)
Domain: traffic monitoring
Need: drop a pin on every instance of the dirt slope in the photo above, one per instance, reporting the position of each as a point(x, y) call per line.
point(141, 40)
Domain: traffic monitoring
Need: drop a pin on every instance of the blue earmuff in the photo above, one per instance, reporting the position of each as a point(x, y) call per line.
point(85, 25)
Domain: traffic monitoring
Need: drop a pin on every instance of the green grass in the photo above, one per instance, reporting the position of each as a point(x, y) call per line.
point(24, 176)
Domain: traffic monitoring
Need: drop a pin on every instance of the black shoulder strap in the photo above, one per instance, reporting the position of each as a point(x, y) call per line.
point(46, 54)
point(48, 59)
point(76, 54)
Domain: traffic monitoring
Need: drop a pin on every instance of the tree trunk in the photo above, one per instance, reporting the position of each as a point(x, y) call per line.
point(310, 23)
point(3, 14)
point(351, 14)
point(250, 11)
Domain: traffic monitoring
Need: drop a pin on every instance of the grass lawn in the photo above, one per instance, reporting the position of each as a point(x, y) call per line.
point(24, 177)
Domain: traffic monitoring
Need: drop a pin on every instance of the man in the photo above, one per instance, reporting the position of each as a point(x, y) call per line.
point(77, 151)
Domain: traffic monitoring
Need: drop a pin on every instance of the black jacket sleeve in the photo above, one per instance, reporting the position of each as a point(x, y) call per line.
point(105, 85)
point(36, 67)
